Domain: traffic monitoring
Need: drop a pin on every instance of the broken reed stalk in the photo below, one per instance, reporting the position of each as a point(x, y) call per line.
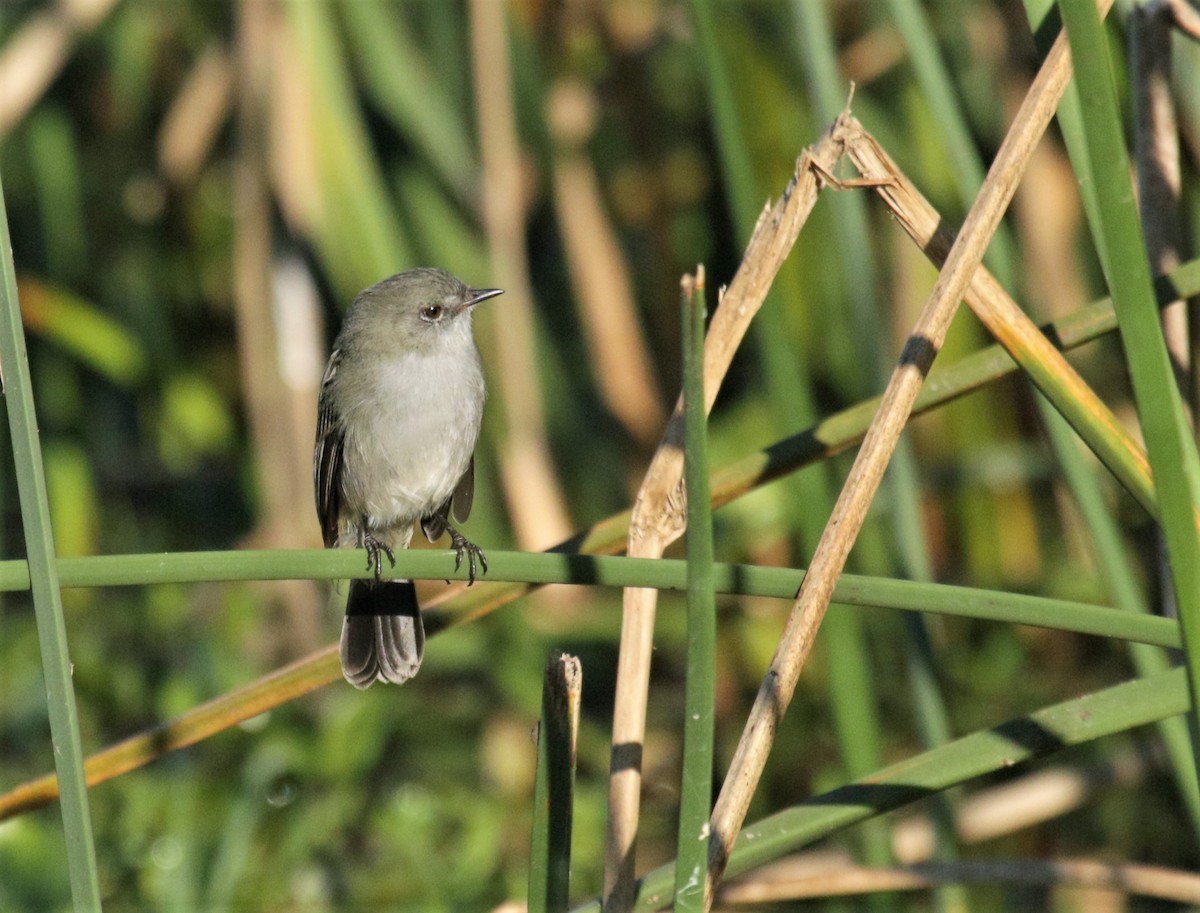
point(554, 787)
point(658, 516)
point(1045, 365)
point(849, 512)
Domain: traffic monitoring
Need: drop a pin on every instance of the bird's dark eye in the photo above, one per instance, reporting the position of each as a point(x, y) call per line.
point(431, 312)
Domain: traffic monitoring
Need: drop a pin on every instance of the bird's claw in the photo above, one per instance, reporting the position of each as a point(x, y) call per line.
point(374, 549)
point(463, 546)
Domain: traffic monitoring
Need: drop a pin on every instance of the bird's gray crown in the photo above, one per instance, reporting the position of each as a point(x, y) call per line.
point(415, 287)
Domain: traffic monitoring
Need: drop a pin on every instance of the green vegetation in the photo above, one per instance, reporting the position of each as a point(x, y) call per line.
point(194, 190)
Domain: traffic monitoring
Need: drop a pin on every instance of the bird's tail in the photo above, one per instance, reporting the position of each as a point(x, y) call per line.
point(382, 635)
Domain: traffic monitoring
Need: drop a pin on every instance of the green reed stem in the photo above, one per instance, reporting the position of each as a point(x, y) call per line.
point(1169, 441)
point(695, 791)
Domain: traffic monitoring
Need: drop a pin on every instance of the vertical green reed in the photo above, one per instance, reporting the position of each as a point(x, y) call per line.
point(1169, 441)
point(47, 598)
point(695, 791)
point(1111, 558)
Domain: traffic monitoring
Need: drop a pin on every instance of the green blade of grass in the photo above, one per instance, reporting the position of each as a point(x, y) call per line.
point(1111, 559)
point(1169, 441)
point(1114, 566)
point(44, 585)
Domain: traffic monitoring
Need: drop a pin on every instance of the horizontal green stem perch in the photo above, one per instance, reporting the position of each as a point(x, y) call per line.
point(309, 673)
point(596, 570)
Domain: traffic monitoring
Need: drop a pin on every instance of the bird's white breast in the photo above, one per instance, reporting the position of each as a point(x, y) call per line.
point(415, 426)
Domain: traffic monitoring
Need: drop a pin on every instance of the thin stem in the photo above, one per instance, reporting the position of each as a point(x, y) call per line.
point(695, 791)
point(321, 668)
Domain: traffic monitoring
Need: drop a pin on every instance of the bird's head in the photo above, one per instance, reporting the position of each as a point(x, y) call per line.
point(421, 308)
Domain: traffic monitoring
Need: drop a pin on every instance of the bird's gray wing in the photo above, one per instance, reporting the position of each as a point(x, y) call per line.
point(464, 493)
point(327, 456)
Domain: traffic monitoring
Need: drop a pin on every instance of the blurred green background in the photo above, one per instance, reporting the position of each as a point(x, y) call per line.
point(196, 191)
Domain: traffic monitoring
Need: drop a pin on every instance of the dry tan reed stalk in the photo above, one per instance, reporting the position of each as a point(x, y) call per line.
point(849, 512)
point(536, 504)
point(659, 513)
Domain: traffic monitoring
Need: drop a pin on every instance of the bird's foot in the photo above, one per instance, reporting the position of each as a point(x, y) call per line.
point(462, 546)
point(375, 549)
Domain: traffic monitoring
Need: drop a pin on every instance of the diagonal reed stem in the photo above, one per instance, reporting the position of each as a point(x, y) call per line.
point(657, 520)
point(1012, 328)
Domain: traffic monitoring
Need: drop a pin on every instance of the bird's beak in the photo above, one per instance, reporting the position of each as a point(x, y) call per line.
point(479, 295)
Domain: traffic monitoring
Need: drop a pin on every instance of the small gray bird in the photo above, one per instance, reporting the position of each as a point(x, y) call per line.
point(397, 423)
